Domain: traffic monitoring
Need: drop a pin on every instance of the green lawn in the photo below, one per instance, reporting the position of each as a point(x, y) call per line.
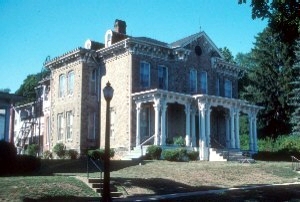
point(151, 177)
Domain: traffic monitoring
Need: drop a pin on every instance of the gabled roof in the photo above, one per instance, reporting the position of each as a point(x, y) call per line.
point(187, 40)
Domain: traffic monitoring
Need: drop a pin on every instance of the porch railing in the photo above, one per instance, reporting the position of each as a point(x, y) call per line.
point(295, 163)
point(143, 143)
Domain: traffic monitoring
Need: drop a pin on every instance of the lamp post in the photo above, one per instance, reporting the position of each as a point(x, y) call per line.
point(108, 92)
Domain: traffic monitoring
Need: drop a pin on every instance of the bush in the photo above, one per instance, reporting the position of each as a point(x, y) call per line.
point(180, 141)
point(8, 154)
point(180, 154)
point(26, 164)
point(72, 154)
point(170, 155)
point(154, 152)
point(193, 155)
point(59, 150)
point(47, 155)
point(32, 149)
point(98, 154)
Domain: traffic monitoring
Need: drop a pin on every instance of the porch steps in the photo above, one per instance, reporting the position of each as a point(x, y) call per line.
point(97, 185)
point(214, 155)
point(134, 154)
point(231, 155)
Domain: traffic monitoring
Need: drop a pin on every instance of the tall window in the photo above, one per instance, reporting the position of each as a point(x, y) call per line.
point(228, 88)
point(47, 129)
point(60, 130)
point(69, 124)
point(217, 87)
point(70, 83)
point(91, 125)
point(145, 74)
point(145, 121)
point(162, 77)
point(62, 81)
point(193, 81)
point(93, 87)
point(203, 82)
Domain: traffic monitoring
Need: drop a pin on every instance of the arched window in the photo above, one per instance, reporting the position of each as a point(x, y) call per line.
point(145, 74)
point(193, 81)
point(203, 82)
point(228, 88)
point(71, 83)
point(61, 88)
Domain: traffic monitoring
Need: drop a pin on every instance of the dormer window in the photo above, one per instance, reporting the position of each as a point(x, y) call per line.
point(108, 38)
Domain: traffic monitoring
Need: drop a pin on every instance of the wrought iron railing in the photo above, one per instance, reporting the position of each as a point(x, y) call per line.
point(96, 164)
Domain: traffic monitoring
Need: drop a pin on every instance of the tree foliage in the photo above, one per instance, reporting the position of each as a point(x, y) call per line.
point(27, 88)
point(295, 95)
point(283, 16)
point(227, 54)
point(268, 82)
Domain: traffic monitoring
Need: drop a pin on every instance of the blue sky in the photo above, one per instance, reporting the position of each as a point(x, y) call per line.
point(31, 30)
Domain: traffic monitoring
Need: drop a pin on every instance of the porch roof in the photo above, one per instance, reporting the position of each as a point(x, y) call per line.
point(182, 98)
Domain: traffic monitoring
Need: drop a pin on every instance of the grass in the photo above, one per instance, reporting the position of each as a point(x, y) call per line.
point(151, 177)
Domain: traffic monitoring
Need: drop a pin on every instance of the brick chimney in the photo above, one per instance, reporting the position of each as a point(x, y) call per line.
point(120, 26)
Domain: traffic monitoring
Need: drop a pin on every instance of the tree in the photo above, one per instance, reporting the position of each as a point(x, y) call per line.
point(27, 88)
point(283, 16)
point(269, 82)
point(295, 95)
point(227, 54)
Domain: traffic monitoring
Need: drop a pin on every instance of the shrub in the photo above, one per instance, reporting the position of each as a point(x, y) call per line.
point(8, 154)
point(98, 154)
point(266, 144)
point(32, 149)
point(47, 155)
point(170, 155)
point(26, 164)
point(59, 150)
point(179, 141)
point(193, 155)
point(154, 152)
point(72, 154)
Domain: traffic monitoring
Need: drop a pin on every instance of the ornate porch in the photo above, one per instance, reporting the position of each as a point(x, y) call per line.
point(203, 120)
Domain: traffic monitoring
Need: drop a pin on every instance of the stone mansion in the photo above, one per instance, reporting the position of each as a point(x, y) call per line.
point(161, 91)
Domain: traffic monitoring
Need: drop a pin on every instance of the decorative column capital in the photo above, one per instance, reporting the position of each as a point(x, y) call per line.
point(138, 106)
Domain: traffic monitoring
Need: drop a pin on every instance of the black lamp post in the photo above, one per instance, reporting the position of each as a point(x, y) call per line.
point(108, 92)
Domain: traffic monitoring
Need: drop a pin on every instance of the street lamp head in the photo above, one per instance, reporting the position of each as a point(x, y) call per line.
point(108, 92)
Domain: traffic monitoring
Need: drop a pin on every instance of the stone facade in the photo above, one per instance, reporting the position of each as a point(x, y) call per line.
point(161, 91)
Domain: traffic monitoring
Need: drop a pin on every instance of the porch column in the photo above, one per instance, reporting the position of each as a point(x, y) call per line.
point(187, 124)
point(193, 113)
point(138, 123)
point(156, 122)
point(163, 124)
point(237, 128)
point(251, 145)
point(202, 139)
point(208, 112)
point(232, 135)
point(227, 125)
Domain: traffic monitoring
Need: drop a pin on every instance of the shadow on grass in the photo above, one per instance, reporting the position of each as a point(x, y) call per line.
point(64, 199)
point(49, 167)
point(158, 186)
